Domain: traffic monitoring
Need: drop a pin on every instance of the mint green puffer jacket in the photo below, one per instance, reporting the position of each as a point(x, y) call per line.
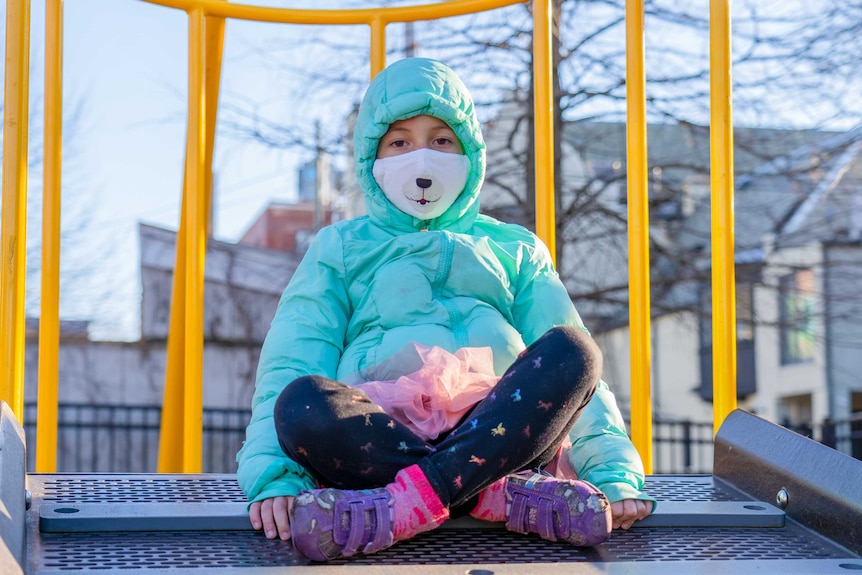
point(369, 286)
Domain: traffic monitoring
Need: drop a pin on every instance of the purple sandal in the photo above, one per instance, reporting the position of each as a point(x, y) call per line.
point(331, 523)
point(557, 509)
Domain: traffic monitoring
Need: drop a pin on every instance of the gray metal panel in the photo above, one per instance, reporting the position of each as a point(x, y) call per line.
point(78, 518)
point(143, 517)
point(817, 567)
point(212, 550)
point(713, 514)
point(823, 486)
point(12, 492)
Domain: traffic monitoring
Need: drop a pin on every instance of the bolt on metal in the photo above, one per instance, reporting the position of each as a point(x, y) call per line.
point(782, 498)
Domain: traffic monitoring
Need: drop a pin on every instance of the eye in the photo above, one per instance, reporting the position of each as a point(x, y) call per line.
point(443, 141)
point(397, 143)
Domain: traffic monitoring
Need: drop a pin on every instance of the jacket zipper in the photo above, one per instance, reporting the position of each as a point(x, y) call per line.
point(447, 250)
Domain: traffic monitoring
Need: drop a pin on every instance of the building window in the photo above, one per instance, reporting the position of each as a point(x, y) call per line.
point(795, 413)
point(856, 424)
point(744, 311)
point(796, 317)
point(746, 367)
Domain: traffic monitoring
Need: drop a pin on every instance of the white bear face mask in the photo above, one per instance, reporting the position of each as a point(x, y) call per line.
point(423, 183)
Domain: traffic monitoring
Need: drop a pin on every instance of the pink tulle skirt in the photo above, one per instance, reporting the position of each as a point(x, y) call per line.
point(433, 399)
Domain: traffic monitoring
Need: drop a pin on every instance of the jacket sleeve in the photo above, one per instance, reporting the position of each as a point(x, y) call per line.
point(541, 300)
point(306, 338)
point(602, 452)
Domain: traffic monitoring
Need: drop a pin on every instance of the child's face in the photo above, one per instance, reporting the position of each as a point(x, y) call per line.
point(421, 167)
point(417, 133)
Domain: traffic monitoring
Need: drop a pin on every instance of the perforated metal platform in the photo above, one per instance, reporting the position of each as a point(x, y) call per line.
point(778, 503)
point(60, 542)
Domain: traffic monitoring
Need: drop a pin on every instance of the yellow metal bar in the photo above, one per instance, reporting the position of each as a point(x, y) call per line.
point(170, 444)
point(49, 316)
point(215, 28)
point(14, 206)
point(721, 167)
point(336, 16)
point(378, 46)
point(196, 225)
point(171, 432)
point(638, 216)
point(543, 96)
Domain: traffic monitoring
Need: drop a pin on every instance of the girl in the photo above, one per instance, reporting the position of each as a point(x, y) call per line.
point(426, 361)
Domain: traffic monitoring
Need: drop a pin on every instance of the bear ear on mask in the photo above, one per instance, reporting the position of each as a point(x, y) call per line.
point(423, 183)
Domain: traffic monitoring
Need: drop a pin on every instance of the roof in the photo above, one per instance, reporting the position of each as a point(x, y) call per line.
point(791, 186)
point(253, 268)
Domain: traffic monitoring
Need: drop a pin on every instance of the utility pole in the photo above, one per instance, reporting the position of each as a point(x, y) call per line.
point(321, 178)
point(409, 40)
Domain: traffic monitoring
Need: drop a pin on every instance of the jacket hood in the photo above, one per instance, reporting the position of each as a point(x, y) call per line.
point(408, 88)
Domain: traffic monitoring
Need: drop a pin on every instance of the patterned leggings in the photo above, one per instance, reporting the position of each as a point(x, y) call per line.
point(346, 441)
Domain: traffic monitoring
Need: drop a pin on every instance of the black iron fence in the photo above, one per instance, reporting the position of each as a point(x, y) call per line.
point(125, 439)
point(844, 435)
point(682, 446)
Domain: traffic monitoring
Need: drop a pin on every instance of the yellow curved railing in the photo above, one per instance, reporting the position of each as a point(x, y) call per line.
point(181, 433)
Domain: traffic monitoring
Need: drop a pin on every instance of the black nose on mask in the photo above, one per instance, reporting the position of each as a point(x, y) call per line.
point(423, 183)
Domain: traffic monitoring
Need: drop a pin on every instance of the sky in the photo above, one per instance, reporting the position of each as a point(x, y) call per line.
point(126, 60)
point(125, 65)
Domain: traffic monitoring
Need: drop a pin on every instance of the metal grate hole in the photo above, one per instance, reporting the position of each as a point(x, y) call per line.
point(169, 550)
point(142, 489)
point(468, 546)
point(686, 544)
point(98, 551)
point(671, 488)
